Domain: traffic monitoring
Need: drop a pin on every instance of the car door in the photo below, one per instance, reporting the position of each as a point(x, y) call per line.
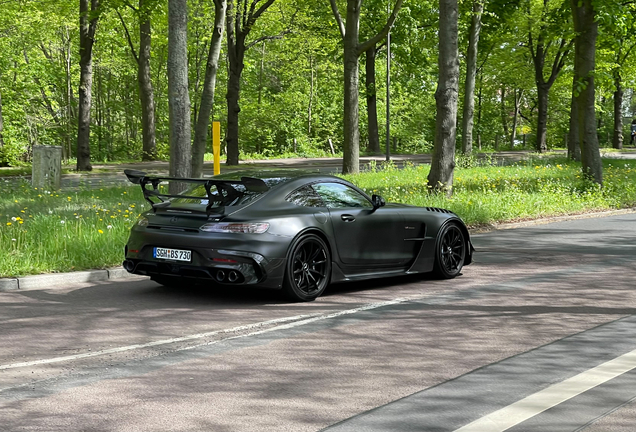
point(363, 235)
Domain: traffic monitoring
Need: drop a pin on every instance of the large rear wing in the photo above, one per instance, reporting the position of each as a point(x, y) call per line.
point(223, 192)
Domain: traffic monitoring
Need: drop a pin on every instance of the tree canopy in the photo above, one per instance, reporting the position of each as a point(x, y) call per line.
point(291, 82)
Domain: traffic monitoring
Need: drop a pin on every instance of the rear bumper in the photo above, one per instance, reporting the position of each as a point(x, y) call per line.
point(224, 260)
point(268, 274)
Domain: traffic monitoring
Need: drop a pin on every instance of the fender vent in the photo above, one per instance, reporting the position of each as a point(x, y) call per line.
point(438, 210)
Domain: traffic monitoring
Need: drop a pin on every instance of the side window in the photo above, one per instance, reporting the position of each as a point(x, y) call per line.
point(306, 197)
point(338, 195)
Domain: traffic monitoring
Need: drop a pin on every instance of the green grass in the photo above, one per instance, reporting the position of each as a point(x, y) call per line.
point(43, 231)
point(540, 187)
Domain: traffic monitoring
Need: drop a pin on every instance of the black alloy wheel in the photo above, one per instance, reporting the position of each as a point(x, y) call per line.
point(450, 251)
point(308, 268)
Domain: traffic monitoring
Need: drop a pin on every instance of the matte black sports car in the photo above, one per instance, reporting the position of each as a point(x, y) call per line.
point(289, 230)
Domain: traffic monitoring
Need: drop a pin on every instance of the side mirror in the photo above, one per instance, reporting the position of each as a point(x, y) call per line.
point(377, 201)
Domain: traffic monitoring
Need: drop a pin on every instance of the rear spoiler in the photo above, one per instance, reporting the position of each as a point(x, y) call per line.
point(141, 178)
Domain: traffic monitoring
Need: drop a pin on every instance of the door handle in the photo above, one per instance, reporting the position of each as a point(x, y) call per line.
point(347, 218)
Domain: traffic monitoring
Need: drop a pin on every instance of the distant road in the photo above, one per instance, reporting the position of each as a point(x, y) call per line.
point(115, 175)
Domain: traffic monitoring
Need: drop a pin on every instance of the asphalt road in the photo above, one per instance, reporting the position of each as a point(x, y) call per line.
point(537, 335)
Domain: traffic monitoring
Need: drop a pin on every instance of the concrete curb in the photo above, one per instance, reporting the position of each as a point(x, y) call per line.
point(58, 280)
point(533, 222)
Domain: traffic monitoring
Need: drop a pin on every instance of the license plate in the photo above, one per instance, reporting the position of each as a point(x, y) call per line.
point(172, 254)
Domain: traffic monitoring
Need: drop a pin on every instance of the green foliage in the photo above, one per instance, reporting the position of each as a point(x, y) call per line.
point(540, 187)
point(297, 93)
point(10, 155)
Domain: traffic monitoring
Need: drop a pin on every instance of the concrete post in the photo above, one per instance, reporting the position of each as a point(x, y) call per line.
point(47, 167)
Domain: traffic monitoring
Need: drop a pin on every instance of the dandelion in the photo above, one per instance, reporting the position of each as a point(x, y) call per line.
point(13, 240)
point(100, 231)
point(62, 222)
point(50, 211)
point(14, 219)
point(109, 227)
point(9, 223)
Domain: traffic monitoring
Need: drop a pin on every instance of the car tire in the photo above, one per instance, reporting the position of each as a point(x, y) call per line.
point(308, 268)
point(450, 251)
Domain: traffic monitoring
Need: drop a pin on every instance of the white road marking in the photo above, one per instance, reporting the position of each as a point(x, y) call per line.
point(298, 320)
point(543, 400)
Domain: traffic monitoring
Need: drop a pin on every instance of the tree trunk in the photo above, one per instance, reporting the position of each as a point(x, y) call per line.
point(574, 145)
point(351, 144)
point(515, 118)
point(100, 113)
point(542, 121)
point(372, 98)
point(504, 112)
point(68, 98)
point(239, 23)
point(440, 177)
point(586, 28)
point(207, 96)
point(88, 24)
point(236, 54)
point(178, 94)
point(471, 71)
point(617, 139)
point(539, 54)
point(146, 94)
point(352, 50)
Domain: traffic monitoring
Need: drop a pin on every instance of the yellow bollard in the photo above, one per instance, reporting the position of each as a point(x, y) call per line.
point(216, 146)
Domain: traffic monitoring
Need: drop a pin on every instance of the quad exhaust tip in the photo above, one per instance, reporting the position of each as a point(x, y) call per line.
point(232, 276)
point(220, 275)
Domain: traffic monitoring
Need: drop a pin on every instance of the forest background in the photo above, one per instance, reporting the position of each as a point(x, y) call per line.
point(291, 92)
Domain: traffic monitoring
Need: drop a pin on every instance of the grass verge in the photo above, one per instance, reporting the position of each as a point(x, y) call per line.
point(43, 231)
point(537, 188)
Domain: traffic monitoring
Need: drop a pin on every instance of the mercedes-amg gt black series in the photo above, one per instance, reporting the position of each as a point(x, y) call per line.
point(290, 230)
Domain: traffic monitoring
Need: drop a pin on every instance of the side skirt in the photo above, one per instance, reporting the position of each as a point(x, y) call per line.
point(338, 275)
